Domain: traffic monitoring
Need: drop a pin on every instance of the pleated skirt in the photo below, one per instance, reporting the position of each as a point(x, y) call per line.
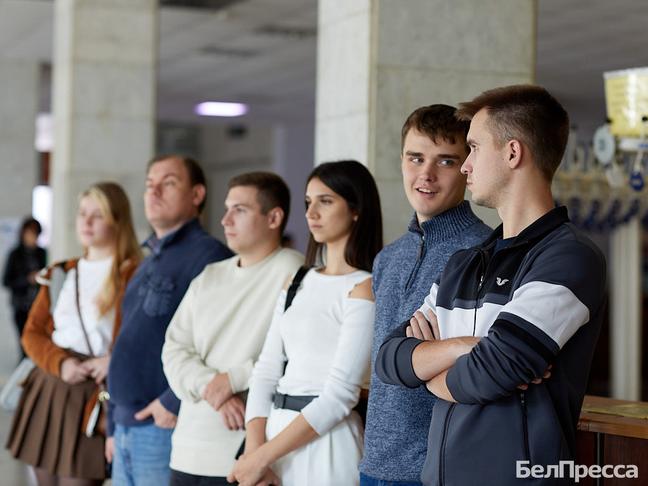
point(47, 428)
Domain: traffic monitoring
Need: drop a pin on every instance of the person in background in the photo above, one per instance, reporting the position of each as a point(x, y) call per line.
point(143, 409)
point(217, 332)
point(301, 425)
point(23, 264)
point(68, 335)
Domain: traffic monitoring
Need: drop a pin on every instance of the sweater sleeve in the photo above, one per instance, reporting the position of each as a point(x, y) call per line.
point(239, 375)
point(394, 360)
point(37, 336)
point(268, 369)
point(184, 368)
point(110, 421)
point(562, 290)
point(349, 368)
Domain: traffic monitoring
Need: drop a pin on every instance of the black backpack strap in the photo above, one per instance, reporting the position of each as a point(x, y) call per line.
point(294, 286)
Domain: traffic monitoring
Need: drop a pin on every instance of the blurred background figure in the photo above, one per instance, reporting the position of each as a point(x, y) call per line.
point(22, 266)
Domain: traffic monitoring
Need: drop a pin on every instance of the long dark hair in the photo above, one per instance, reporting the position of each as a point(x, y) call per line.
point(354, 183)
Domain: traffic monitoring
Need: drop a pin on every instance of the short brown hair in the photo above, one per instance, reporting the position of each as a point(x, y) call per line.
point(272, 192)
point(529, 114)
point(194, 169)
point(436, 121)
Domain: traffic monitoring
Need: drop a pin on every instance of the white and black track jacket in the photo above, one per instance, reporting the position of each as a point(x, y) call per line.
point(537, 302)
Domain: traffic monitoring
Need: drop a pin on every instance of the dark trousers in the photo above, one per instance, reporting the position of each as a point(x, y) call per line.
point(184, 479)
point(20, 318)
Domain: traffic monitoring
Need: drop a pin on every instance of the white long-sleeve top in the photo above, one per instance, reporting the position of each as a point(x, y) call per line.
point(326, 338)
point(68, 332)
point(219, 327)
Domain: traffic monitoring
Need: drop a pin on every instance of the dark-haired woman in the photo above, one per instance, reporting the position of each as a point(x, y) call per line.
point(301, 423)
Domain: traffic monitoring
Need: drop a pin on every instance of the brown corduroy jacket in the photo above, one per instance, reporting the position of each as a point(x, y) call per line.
point(37, 335)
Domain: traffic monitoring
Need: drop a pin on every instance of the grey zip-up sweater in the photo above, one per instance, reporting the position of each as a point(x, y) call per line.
point(538, 301)
point(403, 272)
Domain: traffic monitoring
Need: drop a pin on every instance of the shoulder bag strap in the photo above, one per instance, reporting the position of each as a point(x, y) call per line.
point(55, 283)
point(294, 286)
point(78, 306)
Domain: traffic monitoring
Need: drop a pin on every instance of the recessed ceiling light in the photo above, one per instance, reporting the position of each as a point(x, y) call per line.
point(219, 108)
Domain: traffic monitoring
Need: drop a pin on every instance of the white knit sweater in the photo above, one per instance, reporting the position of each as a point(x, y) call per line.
point(219, 327)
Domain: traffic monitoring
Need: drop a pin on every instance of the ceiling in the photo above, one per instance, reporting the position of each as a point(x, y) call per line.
point(578, 40)
point(262, 52)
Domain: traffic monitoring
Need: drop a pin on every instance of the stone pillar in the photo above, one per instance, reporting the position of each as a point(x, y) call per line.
point(625, 311)
point(378, 60)
point(19, 83)
point(104, 93)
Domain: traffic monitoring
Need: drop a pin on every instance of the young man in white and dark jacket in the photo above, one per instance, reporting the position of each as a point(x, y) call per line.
point(219, 328)
point(506, 336)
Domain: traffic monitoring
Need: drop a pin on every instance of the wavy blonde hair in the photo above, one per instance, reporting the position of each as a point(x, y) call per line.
point(115, 207)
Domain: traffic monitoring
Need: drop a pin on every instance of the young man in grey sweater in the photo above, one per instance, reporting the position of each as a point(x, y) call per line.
point(433, 147)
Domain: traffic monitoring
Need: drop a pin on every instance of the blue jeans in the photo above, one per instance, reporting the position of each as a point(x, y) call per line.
point(141, 456)
point(369, 481)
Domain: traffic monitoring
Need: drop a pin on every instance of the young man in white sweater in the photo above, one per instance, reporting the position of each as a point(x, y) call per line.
point(219, 328)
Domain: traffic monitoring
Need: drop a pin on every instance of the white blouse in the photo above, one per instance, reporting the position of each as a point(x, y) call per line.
point(326, 338)
point(67, 326)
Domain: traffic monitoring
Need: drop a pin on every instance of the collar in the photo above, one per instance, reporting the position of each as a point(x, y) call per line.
point(156, 244)
point(540, 227)
point(445, 225)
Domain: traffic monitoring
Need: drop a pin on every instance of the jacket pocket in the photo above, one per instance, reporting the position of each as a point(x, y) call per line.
point(157, 295)
point(444, 441)
point(481, 446)
point(431, 473)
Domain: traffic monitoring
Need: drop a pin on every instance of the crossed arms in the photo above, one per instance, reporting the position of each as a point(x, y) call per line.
point(554, 299)
point(430, 357)
point(463, 369)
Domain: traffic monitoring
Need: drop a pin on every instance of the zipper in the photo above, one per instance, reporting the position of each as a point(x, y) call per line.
point(446, 425)
point(525, 426)
point(481, 281)
point(417, 265)
point(479, 288)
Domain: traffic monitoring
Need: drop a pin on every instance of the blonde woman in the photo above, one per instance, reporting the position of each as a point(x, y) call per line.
point(68, 335)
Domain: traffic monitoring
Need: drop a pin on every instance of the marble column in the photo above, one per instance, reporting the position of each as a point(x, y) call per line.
point(19, 82)
point(104, 94)
point(378, 60)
